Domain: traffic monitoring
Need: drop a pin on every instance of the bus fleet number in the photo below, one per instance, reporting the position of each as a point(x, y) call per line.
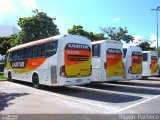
point(73, 52)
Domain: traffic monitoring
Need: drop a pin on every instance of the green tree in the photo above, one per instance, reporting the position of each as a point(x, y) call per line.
point(145, 46)
point(78, 30)
point(158, 51)
point(117, 34)
point(36, 27)
point(6, 43)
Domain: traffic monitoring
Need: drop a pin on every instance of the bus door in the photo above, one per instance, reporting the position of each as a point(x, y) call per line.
point(114, 63)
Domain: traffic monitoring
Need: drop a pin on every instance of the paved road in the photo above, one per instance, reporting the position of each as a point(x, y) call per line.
point(136, 96)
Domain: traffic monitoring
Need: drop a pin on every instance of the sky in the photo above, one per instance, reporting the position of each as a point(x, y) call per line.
point(136, 15)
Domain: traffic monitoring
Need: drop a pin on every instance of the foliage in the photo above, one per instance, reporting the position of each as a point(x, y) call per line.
point(6, 43)
point(78, 30)
point(117, 34)
point(36, 27)
point(2, 76)
point(145, 46)
point(1, 67)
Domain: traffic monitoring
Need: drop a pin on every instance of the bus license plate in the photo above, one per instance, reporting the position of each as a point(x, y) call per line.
point(79, 80)
point(115, 73)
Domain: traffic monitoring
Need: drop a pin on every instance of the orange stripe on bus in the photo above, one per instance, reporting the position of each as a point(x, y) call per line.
point(34, 63)
point(76, 53)
point(113, 59)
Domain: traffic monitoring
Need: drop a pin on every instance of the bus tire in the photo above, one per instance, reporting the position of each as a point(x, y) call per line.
point(10, 77)
point(35, 81)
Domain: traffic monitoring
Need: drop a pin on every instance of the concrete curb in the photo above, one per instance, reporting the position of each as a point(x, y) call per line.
point(2, 80)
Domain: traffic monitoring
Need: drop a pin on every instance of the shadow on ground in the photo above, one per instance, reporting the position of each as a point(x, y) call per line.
point(5, 99)
point(88, 94)
point(146, 83)
point(126, 89)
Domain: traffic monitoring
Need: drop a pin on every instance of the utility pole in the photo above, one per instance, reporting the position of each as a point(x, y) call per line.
point(156, 10)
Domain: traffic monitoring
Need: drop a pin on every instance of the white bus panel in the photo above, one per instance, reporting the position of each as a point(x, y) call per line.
point(150, 63)
point(107, 61)
point(132, 62)
point(56, 61)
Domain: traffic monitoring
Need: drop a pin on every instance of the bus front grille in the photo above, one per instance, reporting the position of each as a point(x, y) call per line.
point(78, 58)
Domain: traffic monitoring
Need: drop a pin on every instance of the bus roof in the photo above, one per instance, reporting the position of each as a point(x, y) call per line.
point(129, 45)
point(106, 41)
point(36, 42)
point(150, 51)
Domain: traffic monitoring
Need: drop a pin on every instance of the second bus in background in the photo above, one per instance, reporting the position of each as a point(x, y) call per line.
point(107, 61)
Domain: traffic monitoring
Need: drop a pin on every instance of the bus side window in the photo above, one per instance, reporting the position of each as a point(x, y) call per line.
point(48, 45)
point(25, 53)
point(15, 55)
point(21, 54)
point(6, 57)
point(43, 50)
point(124, 52)
point(48, 48)
point(29, 52)
point(145, 56)
point(51, 48)
point(18, 54)
point(39, 50)
point(54, 45)
point(10, 56)
point(34, 51)
point(96, 50)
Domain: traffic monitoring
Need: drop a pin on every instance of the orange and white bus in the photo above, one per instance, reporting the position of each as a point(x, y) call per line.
point(150, 63)
point(55, 61)
point(132, 62)
point(107, 61)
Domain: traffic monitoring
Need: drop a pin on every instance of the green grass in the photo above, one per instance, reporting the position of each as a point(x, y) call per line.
point(2, 76)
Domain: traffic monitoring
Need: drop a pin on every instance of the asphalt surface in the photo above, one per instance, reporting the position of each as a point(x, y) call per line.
point(135, 96)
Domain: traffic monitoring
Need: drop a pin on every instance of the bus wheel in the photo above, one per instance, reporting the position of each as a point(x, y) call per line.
point(10, 77)
point(35, 81)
